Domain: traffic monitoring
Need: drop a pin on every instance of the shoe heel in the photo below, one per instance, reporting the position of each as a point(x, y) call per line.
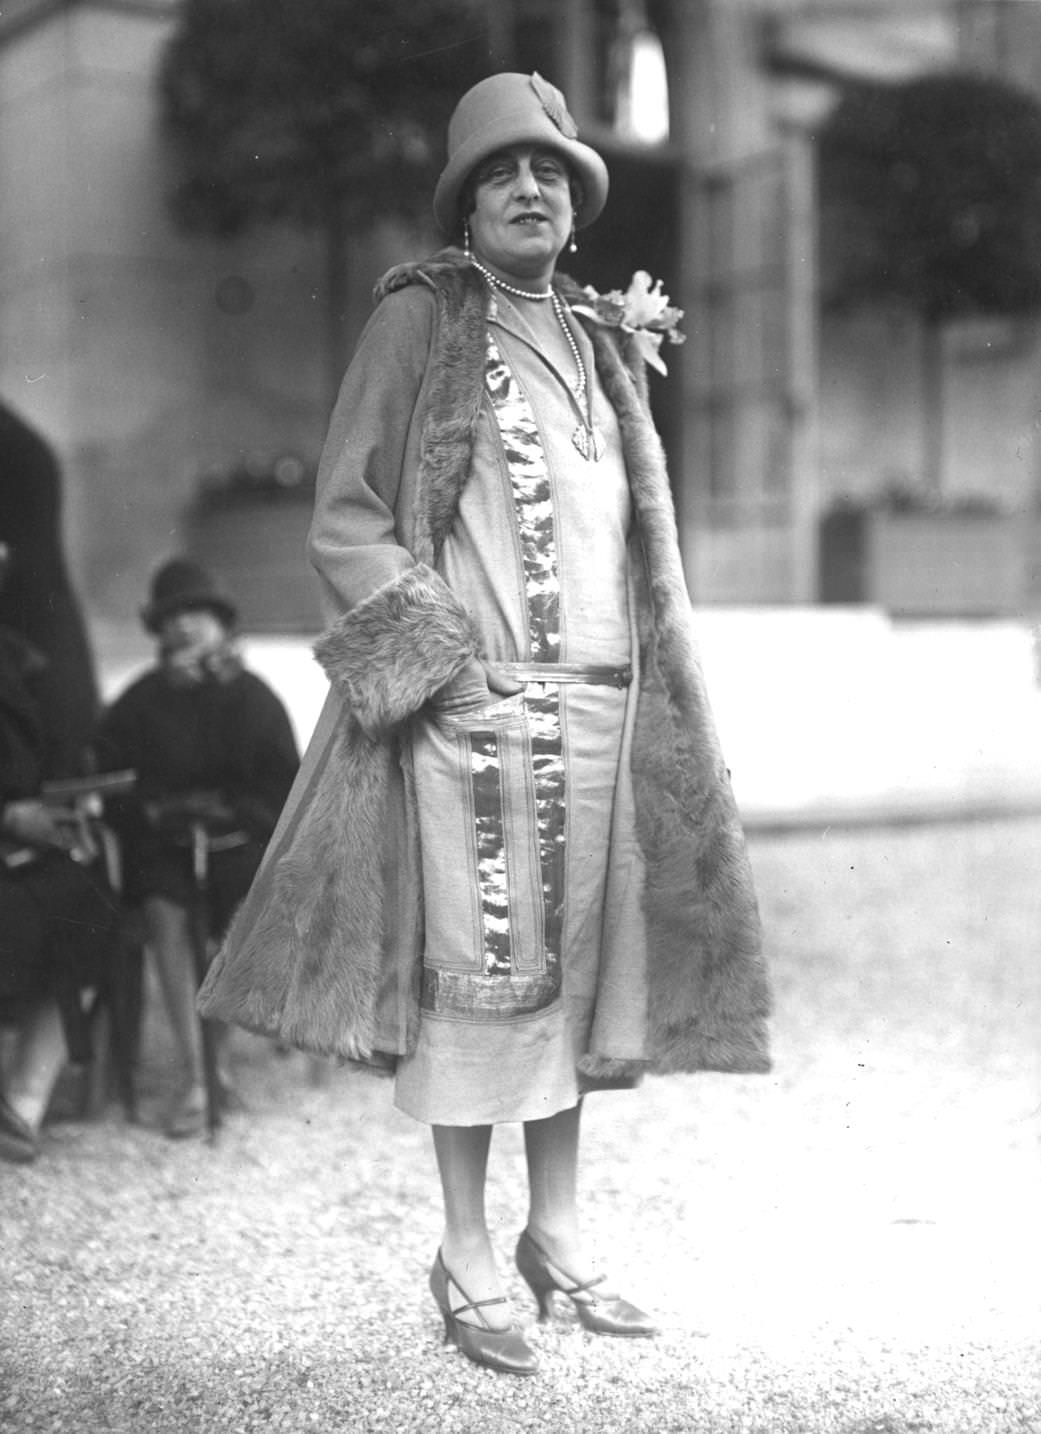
point(543, 1298)
point(536, 1278)
point(504, 1350)
point(614, 1316)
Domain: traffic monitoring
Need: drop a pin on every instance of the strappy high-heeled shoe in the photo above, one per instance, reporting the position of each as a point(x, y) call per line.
point(611, 1316)
point(505, 1350)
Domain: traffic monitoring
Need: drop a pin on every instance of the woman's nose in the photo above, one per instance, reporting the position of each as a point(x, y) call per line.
point(527, 185)
point(183, 624)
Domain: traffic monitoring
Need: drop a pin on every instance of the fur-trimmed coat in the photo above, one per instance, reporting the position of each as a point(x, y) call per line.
point(326, 951)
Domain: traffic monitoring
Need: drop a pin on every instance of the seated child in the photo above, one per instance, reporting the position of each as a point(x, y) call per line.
point(214, 751)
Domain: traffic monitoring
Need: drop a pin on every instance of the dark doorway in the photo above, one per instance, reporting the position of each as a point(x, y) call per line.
point(638, 230)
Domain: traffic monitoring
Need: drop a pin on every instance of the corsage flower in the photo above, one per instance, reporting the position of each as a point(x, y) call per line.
point(643, 311)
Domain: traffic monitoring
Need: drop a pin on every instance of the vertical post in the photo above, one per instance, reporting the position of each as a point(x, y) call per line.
point(717, 118)
point(578, 46)
point(801, 287)
point(200, 938)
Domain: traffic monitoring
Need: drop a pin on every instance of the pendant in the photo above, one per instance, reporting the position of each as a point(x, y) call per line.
point(589, 442)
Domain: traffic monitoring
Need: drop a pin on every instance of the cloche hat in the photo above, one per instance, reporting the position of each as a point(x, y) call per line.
point(510, 109)
point(180, 585)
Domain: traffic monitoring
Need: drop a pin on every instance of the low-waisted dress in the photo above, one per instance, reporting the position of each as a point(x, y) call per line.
point(534, 937)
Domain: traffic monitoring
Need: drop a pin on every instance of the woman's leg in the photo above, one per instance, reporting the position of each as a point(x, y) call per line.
point(551, 1146)
point(39, 1055)
point(168, 937)
point(462, 1161)
point(553, 1257)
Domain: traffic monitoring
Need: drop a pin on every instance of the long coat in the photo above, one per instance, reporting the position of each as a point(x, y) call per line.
point(37, 598)
point(326, 951)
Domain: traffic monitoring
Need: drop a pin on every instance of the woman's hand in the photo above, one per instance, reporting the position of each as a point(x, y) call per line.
point(474, 686)
point(499, 681)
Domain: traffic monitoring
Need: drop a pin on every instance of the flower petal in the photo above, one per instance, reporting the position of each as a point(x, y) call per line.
point(647, 346)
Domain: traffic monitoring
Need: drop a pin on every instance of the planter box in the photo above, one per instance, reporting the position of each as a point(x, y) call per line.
point(257, 550)
point(928, 564)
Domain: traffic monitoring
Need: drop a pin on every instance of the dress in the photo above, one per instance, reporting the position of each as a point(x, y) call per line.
point(528, 850)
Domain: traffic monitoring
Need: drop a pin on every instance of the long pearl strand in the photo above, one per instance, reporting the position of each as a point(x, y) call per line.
point(558, 309)
point(580, 368)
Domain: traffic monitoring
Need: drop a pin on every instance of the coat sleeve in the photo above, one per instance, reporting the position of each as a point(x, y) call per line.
point(398, 633)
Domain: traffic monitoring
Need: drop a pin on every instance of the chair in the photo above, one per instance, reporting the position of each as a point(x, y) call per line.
point(114, 1006)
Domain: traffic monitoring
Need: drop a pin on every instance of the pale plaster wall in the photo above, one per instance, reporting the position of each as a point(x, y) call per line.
point(115, 343)
point(871, 414)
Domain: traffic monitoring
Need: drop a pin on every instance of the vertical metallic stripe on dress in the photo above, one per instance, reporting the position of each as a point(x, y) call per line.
point(543, 709)
point(536, 526)
point(490, 839)
point(533, 504)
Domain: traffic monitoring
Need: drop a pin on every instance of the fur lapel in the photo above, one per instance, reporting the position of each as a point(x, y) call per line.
point(455, 393)
point(708, 989)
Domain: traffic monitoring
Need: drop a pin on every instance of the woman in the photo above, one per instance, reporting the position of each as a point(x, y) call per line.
point(38, 599)
point(213, 750)
point(512, 867)
point(56, 921)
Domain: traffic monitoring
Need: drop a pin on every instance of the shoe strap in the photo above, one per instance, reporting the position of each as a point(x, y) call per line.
point(583, 1288)
point(470, 1304)
point(476, 1305)
point(551, 1265)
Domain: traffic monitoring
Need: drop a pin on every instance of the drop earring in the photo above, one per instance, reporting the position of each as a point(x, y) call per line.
point(573, 245)
point(466, 238)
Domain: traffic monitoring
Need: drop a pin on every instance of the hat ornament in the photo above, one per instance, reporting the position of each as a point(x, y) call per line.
point(552, 101)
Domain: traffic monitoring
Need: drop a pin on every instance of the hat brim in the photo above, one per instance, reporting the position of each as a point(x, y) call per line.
point(155, 614)
point(520, 127)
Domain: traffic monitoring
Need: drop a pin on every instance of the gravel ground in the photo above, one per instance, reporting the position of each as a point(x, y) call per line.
point(848, 1245)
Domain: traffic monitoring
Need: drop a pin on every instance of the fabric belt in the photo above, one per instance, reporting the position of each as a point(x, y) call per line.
point(568, 672)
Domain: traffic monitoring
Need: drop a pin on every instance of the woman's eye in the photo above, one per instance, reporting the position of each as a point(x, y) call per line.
point(549, 172)
point(497, 174)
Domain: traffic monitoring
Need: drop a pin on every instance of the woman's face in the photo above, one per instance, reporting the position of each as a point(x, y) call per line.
point(522, 213)
point(191, 628)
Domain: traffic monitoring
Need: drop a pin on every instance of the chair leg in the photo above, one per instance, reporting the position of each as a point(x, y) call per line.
point(125, 1005)
point(95, 1077)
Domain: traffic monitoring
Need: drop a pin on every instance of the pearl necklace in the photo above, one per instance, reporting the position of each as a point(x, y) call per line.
point(587, 438)
point(558, 309)
point(498, 283)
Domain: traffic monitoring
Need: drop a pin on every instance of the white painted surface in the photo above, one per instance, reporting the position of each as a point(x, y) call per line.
point(819, 709)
